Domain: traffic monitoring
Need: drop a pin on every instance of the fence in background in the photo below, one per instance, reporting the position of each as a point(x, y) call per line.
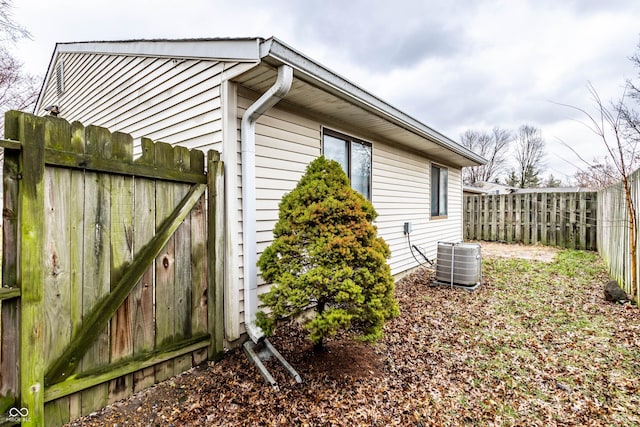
point(567, 220)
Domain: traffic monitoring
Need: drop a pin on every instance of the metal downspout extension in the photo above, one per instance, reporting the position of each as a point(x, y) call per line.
point(249, 247)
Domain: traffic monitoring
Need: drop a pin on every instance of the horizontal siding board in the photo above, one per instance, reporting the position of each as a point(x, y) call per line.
point(174, 120)
point(283, 165)
point(79, 77)
point(286, 175)
point(393, 173)
point(310, 139)
point(305, 155)
point(130, 91)
point(199, 95)
point(284, 116)
point(95, 100)
point(401, 193)
point(277, 184)
point(176, 102)
point(181, 91)
point(204, 142)
point(185, 129)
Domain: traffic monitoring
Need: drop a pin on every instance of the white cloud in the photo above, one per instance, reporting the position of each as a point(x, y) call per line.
point(453, 65)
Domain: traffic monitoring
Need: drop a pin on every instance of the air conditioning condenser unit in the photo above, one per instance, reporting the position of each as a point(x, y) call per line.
point(459, 264)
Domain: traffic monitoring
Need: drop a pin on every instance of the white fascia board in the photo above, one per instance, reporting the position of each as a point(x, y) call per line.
point(240, 50)
point(274, 48)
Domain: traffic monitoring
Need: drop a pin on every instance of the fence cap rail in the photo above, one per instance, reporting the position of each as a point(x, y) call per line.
point(10, 144)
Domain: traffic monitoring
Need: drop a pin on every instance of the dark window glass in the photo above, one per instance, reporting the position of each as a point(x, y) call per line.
point(354, 156)
point(438, 191)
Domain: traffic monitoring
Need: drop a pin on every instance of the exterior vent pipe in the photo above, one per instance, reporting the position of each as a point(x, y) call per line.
point(249, 247)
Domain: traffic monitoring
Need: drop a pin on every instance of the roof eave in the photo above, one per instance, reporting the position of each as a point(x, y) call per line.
point(271, 51)
point(236, 49)
point(279, 51)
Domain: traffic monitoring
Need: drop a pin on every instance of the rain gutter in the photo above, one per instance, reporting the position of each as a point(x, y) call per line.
point(249, 236)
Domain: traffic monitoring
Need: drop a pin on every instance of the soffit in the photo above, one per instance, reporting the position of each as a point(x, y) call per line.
point(318, 99)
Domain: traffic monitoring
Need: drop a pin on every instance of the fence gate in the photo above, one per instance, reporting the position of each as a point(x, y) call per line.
point(110, 267)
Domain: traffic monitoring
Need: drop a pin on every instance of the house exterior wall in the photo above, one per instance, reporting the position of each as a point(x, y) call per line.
point(402, 193)
point(286, 142)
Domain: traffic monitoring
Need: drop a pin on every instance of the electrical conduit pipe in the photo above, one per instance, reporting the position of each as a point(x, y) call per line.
point(249, 245)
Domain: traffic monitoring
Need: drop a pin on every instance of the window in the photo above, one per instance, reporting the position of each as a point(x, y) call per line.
point(438, 191)
point(353, 155)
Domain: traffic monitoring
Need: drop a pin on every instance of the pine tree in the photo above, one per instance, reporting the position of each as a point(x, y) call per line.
point(326, 254)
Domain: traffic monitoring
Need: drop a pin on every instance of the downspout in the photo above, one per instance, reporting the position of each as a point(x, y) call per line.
point(248, 142)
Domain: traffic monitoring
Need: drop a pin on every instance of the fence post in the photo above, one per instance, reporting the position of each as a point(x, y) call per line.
point(467, 214)
point(475, 218)
point(10, 316)
point(535, 211)
point(493, 218)
point(30, 266)
point(582, 222)
point(544, 218)
point(216, 251)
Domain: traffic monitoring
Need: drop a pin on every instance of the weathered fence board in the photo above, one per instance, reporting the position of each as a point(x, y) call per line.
point(165, 270)
point(30, 266)
point(215, 248)
point(9, 328)
point(559, 219)
point(143, 295)
point(107, 283)
point(613, 231)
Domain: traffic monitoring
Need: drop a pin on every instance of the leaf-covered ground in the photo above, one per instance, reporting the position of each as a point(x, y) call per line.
point(536, 345)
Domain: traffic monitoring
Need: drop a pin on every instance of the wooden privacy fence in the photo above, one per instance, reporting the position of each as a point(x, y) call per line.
point(566, 220)
point(613, 230)
point(111, 270)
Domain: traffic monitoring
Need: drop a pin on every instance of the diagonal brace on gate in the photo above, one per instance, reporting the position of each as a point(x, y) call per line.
point(98, 318)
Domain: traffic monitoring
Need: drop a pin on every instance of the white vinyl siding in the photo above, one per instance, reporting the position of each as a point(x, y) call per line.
point(174, 101)
point(286, 143)
point(401, 193)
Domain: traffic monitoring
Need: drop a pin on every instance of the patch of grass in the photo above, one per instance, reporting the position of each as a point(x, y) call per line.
point(549, 321)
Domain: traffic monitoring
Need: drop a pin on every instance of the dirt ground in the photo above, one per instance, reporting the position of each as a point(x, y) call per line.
point(529, 252)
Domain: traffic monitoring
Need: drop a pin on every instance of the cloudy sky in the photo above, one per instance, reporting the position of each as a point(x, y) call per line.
point(454, 65)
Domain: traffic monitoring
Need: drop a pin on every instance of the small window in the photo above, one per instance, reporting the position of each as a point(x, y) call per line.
point(353, 155)
point(438, 191)
point(60, 78)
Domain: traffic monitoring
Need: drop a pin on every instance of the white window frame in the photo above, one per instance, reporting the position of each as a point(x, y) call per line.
point(350, 142)
point(436, 208)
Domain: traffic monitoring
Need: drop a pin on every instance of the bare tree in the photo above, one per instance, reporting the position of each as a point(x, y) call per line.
point(596, 175)
point(493, 146)
point(10, 30)
point(632, 88)
point(18, 90)
point(529, 155)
